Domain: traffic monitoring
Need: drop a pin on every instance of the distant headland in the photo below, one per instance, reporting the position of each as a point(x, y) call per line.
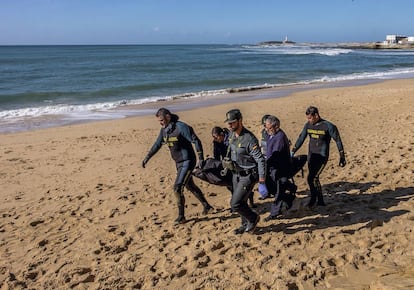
point(277, 42)
point(390, 42)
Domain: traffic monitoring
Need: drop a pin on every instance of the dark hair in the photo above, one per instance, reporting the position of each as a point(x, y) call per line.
point(162, 112)
point(264, 118)
point(312, 111)
point(273, 120)
point(217, 130)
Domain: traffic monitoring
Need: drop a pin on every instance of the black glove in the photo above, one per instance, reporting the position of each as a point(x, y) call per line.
point(342, 161)
point(145, 161)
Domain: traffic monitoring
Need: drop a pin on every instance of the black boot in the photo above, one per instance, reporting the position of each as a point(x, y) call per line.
point(240, 230)
point(251, 226)
point(181, 204)
point(180, 220)
point(194, 189)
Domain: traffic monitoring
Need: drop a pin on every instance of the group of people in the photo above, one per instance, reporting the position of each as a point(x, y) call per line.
point(267, 162)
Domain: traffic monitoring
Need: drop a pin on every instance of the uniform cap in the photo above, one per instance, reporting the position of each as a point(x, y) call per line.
point(233, 115)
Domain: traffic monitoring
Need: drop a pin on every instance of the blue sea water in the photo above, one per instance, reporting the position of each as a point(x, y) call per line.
point(44, 86)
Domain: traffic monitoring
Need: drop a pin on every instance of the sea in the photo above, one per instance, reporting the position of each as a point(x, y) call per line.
point(47, 86)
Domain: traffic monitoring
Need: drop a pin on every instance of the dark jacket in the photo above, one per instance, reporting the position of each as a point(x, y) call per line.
point(220, 149)
point(278, 153)
point(245, 152)
point(179, 137)
point(320, 135)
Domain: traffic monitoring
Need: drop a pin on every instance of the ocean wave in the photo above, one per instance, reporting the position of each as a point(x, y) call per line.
point(387, 52)
point(95, 108)
point(296, 50)
point(104, 109)
point(113, 82)
point(60, 109)
point(393, 74)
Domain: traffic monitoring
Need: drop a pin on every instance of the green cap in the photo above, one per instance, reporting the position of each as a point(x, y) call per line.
point(233, 115)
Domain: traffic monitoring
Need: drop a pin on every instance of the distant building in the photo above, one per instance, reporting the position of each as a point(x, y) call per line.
point(394, 39)
point(398, 39)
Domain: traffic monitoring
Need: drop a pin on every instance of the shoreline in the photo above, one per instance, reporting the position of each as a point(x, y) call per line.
point(242, 94)
point(78, 211)
point(56, 102)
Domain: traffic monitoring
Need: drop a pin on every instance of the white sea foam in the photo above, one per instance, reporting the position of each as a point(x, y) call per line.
point(296, 50)
point(106, 89)
point(104, 110)
point(95, 110)
point(397, 73)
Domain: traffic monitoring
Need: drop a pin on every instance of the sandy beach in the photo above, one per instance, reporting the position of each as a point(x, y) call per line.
point(79, 212)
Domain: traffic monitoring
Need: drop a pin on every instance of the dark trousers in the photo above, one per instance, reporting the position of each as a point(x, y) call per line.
point(251, 197)
point(280, 196)
point(316, 164)
point(278, 183)
point(242, 187)
point(184, 178)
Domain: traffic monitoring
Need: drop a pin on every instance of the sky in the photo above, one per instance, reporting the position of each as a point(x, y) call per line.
point(59, 22)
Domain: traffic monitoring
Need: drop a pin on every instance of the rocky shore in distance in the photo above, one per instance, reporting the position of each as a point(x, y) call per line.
point(375, 45)
point(348, 45)
point(276, 42)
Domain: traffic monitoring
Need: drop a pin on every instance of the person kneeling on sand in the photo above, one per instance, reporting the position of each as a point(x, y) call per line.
point(179, 137)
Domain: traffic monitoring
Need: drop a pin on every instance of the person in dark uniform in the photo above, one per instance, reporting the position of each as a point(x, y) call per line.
point(220, 150)
point(247, 164)
point(179, 137)
point(320, 133)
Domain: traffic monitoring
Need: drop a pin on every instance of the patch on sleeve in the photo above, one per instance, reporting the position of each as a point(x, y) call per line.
point(255, 146)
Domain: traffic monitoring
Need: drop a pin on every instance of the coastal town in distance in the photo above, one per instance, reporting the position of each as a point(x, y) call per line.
point(392, 41)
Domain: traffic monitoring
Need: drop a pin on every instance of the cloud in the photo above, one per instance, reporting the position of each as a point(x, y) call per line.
point(156, 29)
